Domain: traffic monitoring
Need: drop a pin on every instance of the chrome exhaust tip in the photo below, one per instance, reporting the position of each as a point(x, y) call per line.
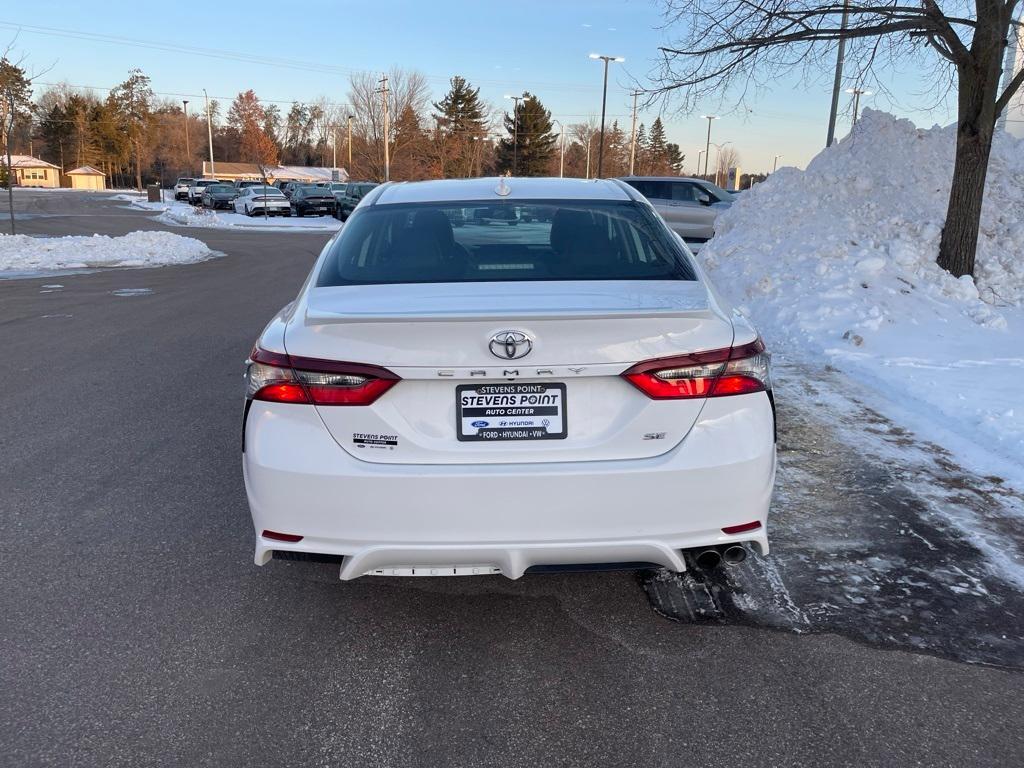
point(708, 559)
point(734, 554)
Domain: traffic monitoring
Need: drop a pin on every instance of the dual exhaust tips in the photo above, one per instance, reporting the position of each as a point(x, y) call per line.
point(710, 558)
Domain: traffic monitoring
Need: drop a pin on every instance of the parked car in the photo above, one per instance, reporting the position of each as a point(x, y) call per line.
point(253, 201)
point(582, 366)
point(195, 192)
point(287, 187)
point(310, 198)
point(219, 196)
point(349, 198)
point(243, 183)
point(181, 188)
point(689, 206)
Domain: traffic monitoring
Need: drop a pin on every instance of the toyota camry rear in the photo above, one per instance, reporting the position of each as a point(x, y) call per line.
point(450, 395)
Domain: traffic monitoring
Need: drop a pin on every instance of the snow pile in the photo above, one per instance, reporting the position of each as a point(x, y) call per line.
point(21, 253)
point(184, 215)
point(839, 261)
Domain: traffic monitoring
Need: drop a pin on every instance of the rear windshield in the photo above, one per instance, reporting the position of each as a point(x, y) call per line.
point(504, 241)
point(220, 188)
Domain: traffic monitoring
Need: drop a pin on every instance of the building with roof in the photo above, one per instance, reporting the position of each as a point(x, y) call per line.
point(253, 171)
point(87, 177)
point(32, 172)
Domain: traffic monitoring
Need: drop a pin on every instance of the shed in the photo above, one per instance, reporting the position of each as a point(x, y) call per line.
point(87, 177)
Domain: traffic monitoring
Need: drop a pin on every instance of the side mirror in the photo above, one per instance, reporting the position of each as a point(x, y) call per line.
point(704, 198)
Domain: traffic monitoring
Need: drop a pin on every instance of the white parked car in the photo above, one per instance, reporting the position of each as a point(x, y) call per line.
point(253, 201)
point(689, 206)
point(181, 188)
point(570, 391)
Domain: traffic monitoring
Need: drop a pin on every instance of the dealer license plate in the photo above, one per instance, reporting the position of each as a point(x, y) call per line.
point(498, 412)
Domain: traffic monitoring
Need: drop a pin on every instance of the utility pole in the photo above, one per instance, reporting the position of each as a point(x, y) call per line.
point(349, 169)
point(707, 146)
point(590, 138)
point(188, 152)
point(334, 148)
point(837, 83)
point(775, 163)
point(7, 129)
point(697, 172)
point(604, 101)
point(209, 133)
point(383, 91)
point(515, 132)
point(561, 155)
point(632, 136)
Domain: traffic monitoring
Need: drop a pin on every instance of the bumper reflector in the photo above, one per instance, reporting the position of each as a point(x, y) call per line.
point(281, 536)
point(743, 527)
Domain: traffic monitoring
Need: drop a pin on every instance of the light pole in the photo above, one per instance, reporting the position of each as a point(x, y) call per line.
point(515, 132)
point(707, 146)
point(604, 100)
point(837, 81)
point(334, 149)
point(632, 136)
point(590, 138)
point(697, 172)
point(209, 132)
point(561, 149)
point(349, 169)
point(188, 152)
point(718, 161)
point(775, 163)
point(857, 93)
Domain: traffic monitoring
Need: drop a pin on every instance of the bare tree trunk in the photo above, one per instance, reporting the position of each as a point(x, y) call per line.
point(976, 119)
point(138, 165)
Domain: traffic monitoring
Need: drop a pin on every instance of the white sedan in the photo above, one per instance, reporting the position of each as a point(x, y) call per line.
point(254, 201)
point(568, 392)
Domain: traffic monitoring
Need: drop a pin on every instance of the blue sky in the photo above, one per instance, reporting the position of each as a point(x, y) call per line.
point(502, 47)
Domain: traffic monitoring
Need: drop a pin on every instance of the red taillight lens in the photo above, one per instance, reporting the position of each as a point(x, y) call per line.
point(716, 373)
point(742, 528)
point(281, 378)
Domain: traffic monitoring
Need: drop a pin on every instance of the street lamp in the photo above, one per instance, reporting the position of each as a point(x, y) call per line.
point(188, 152)
point(515, 132)
point(561, 150)
point(707, 147)
point(604, 100)
point(857, 93)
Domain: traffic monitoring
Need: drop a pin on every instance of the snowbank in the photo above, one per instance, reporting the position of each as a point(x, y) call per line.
point(838, 262)
point(21, 253)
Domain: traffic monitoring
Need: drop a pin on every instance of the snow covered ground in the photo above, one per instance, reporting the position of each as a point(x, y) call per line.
point(22, 255)
point(836, 264)
point(185, 215)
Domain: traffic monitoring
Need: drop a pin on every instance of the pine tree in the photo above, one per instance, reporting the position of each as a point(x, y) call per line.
point(133, 101)
point(408, 147)
point(640, 158)
point(530, 144)
point(674, 158)
point(460, 121)
point(656, 150)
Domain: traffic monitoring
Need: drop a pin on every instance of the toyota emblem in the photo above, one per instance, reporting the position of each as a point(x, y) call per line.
point(510, 345)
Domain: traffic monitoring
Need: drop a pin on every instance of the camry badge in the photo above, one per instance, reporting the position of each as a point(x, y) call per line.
point(510, 345)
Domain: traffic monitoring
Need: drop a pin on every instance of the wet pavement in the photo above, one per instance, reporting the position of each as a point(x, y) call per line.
point(875, 535)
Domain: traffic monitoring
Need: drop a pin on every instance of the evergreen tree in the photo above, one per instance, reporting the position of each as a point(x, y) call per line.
point(530, 144)
point(674, 158)
point(408, 147)
point(133, 100)
point(640, 158)
point(656, 150)
point(460, 121)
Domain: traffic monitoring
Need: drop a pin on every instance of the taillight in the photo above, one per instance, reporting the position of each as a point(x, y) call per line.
point(716, 373)
point(281, 378)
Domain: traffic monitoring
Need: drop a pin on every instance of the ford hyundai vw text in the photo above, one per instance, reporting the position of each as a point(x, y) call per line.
point(482, 398)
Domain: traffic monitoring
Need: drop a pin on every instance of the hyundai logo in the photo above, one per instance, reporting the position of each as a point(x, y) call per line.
point(510, 345)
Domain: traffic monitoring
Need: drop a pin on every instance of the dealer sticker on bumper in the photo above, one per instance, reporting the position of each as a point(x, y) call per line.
point(499, 412)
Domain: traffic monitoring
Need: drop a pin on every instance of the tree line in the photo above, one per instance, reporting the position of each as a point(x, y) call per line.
point(137, 137)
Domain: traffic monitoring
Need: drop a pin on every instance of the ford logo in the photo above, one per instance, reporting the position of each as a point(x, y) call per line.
point(479, 424)
point(510, 345)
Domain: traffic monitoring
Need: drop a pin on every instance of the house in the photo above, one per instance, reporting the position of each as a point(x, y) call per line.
point(87, 177)
point(32, 172)
point(235, 171)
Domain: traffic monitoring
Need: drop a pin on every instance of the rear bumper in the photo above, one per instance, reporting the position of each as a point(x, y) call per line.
point(509, 516)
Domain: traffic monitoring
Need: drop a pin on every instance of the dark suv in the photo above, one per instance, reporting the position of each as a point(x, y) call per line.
point(350, 197)
point(310, 198)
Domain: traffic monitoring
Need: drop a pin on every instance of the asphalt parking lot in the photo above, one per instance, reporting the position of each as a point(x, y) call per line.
point(137, 632)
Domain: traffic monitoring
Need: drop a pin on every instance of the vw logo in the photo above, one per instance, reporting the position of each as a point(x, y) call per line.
point(510, 345)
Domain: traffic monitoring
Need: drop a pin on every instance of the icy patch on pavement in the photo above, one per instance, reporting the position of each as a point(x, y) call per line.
point(132, 291)
point(20, 254)
point(837, 263)
point(185, 215)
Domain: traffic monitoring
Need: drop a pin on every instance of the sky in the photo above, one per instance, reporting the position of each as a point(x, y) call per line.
point(309, 48)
